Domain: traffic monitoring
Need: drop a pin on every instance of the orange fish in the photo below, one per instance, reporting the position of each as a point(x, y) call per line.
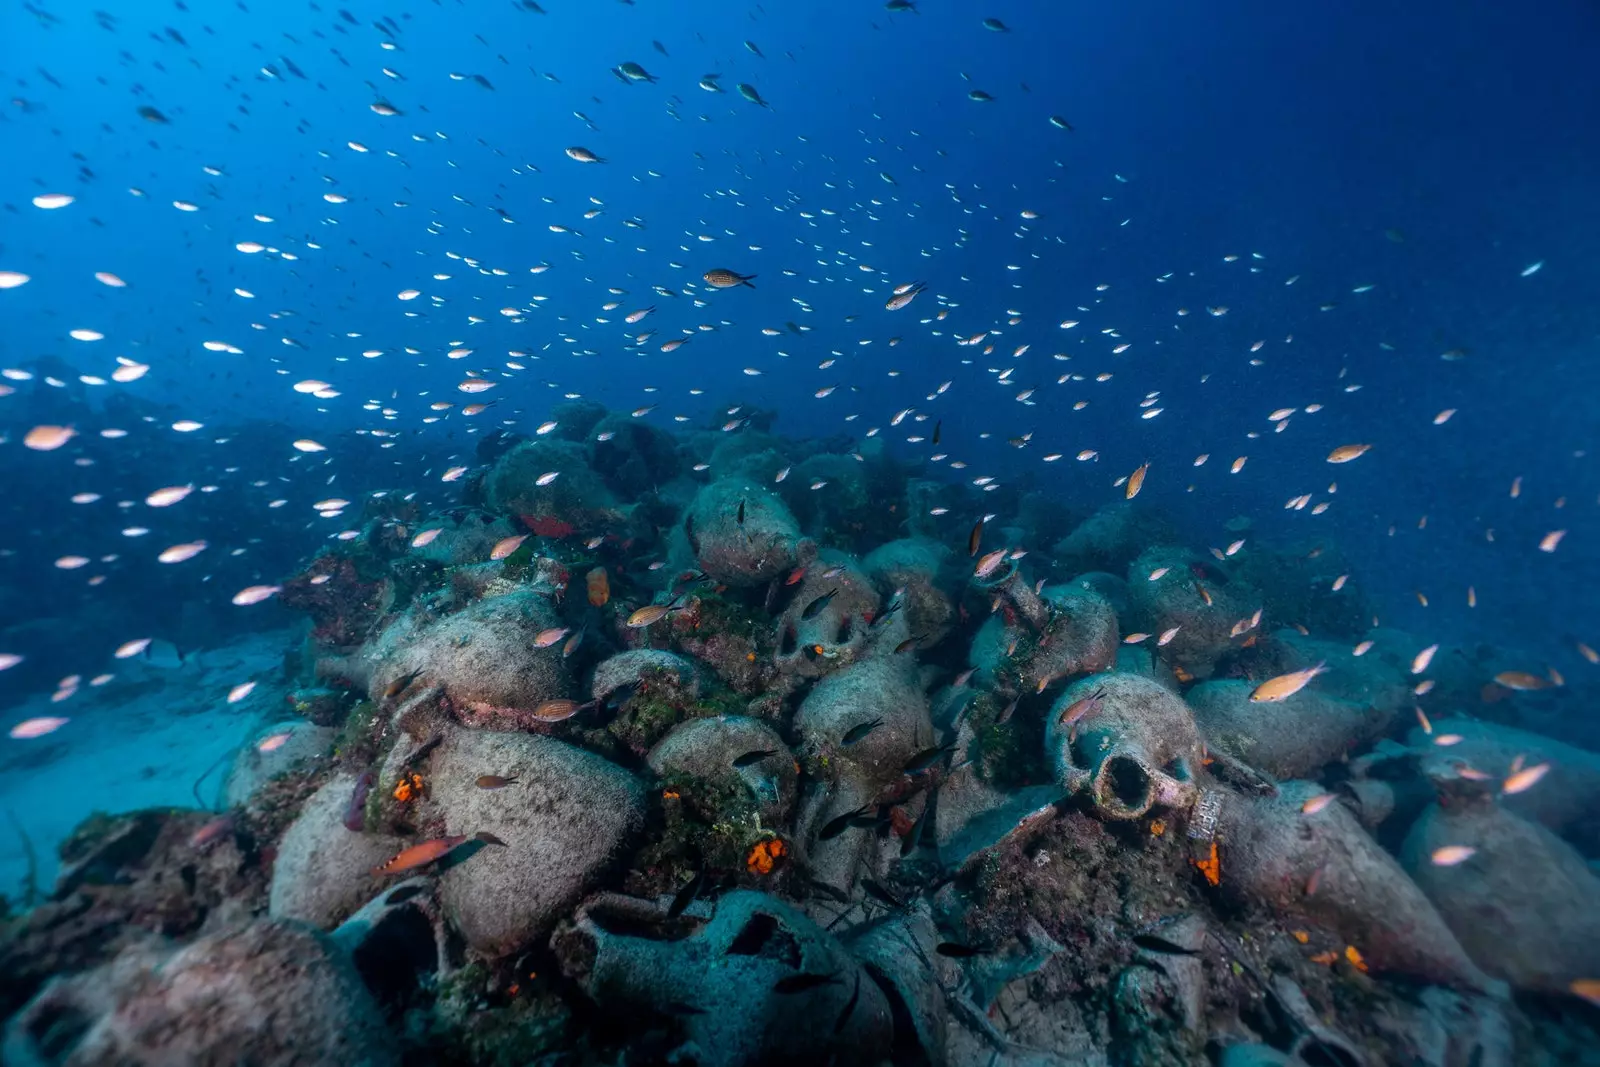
point(1317, 803)
point(1136, 481)
point(1450, 855)
point(599, 586)
point(1525, 779)
point(1587, 988)
point(1521, 681)
point(1080, 708)
point(429, 851)
point(421, 855)
point(1285, 686)
point(507, 545)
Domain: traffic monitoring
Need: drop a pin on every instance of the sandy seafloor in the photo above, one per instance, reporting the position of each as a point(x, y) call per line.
point(139, 741)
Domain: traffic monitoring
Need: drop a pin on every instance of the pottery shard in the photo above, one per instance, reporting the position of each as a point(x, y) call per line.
point(563, 823)
point(324, 870)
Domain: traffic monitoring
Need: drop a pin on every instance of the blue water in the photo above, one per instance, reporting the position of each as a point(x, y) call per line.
point(1397, 201)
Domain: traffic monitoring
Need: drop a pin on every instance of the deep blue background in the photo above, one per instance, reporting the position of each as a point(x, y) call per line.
point(1430, 150)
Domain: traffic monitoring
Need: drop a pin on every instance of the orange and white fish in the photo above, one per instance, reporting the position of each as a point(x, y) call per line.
point(1285, 686)
point(507, 545)
point(1523, 780)
point(1451, 855)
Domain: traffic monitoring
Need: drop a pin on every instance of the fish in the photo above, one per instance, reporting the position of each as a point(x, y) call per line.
point(996, 26)
point(572, 643)
point(1346, 453)
point(800, 983)
point(1451, 855)
point(980, 96)
point(720, 278)
point(928, 757)
point(686, 894)
point(901, 297)
point(860, 730)
point(37, 727)
point(738, 517)
point(817, 606)
point(494, 781)
point(990, 563)
point(840, 823)
point(975, 538)
point(548, 637)
point(401, 684)
point(1060, 123)
point(749, 93)
point(560, 709)
point(1075, 712)
point(211, 830)
point(1136, 482)
point(598, 585)
point(1316, 803)
point(1523, 780)
point(583, 155)
point(506, 546)
point(355, 810)
point(750, 759)
point(652, 613)
point(1521, 681)
point(1285, 686)
point(273, 742)
point(420, 855)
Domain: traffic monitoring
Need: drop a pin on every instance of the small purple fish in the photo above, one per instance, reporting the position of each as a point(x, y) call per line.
point(355, 814)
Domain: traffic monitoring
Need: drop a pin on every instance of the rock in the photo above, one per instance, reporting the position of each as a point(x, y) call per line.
point(839, 628)
point(913, 564)
point(253, 768)
point(1109, 539)
point(766, 547)
point(1138, 750)
point(635, 457)
point(646, 667)
point(564, 822)
point(1522, 905)
point(1203, 609)
point(458, 543)
point(1565, 799)
point(651, 691)
point(884, 687)
point(482, 657)
point(703, 752)
point(901, 956)
point(396, 940)
point(1256, 1056)
point(576, 503)
point(1076, 633)
point(271, 993)
point(1269, 850)
point(324, 871)
point(722, 984)
point(1287, 739)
